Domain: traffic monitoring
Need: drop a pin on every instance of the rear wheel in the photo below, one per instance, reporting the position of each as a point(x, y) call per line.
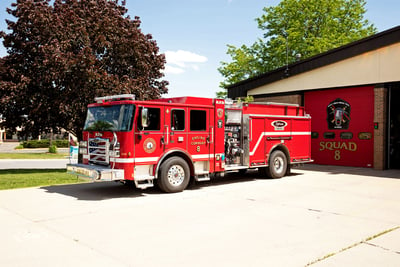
point(174, 175)
point(277, 165)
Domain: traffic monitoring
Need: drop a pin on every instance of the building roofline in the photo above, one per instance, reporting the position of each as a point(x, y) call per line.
point(373, 42)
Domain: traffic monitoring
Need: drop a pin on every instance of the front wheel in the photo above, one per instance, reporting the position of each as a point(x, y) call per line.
point(174, 175)
point(277, 165)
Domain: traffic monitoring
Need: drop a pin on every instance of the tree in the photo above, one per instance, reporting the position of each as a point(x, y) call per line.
point(63, 53)
point(297, 28)
point(247, 62)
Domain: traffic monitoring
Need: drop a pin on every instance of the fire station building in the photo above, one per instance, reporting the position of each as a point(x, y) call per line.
point(353, 96)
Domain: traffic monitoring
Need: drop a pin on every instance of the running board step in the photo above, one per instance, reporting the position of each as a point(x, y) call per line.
point(235, 167)
point(143, 184)
point(202, 178)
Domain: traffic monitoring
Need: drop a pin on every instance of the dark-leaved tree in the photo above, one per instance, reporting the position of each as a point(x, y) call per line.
point(63, 53)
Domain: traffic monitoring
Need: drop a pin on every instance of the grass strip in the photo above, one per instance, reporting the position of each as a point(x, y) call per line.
point(354, 245)
point(21, 178)
point(33, 156)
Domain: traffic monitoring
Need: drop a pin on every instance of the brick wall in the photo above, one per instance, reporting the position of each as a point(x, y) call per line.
point(380, 111)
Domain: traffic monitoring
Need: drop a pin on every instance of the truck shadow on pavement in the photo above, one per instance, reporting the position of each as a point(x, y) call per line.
point(111, 190)
point(249, 176)
point(96, 191)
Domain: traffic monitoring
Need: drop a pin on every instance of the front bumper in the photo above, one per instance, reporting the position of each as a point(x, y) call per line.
point(95, 173)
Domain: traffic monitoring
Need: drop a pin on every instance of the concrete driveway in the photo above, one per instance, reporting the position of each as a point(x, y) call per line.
point(319, 216)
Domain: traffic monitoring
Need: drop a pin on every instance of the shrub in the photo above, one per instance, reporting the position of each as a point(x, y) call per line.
point(61, 143)
point(20, 146)
point(36, 143)
point(53, 149)
point(44, 143)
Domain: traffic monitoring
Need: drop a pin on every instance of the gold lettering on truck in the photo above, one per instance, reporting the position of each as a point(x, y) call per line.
point(198, 140)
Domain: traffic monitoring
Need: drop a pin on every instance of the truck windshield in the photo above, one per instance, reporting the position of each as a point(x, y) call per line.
point(110, 118)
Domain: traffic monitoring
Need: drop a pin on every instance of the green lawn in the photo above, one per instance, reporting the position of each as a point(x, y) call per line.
point(10, 179)
point(33, 156)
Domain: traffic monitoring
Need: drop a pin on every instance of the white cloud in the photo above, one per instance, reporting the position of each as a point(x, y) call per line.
point(173, 70)
point(178, 61)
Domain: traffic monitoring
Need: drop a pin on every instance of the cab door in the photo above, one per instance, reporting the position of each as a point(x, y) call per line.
point(149, 139)
point(199, 139)
point(175, 128)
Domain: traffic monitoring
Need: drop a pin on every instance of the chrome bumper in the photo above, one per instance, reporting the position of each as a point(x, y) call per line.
point(95, 173)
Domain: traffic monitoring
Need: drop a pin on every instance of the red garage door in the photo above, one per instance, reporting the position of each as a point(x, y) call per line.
point(342, 126)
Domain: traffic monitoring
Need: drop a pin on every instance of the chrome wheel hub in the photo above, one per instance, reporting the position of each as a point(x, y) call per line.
point(278, 165)
point(176, 175)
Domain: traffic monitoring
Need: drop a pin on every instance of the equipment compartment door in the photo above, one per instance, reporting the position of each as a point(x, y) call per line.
point(257, 141)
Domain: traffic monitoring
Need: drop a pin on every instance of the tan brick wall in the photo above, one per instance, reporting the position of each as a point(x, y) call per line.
point(290, 99)
point(380, 111)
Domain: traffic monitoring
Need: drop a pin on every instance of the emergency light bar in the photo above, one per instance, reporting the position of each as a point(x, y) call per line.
point(114, 97)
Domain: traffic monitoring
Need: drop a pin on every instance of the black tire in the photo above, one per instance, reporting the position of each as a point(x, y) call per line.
point(174, 175)
point(242, 171)
point(129, 183)
point(288, 170)
point(262, 171)
point(277, 165)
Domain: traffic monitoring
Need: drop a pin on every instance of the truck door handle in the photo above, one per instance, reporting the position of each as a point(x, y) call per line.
point(167, 134)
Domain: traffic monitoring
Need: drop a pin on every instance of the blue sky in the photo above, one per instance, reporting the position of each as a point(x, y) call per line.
point(194, 33)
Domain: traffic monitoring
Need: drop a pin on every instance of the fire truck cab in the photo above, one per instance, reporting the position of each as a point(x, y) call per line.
point(174, 140)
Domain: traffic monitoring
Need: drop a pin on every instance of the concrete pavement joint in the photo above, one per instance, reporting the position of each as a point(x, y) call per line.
point(365, 241)
point(377, 246)
point(327, 212)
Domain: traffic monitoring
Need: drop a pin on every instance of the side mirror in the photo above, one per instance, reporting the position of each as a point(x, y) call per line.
point(145, 117)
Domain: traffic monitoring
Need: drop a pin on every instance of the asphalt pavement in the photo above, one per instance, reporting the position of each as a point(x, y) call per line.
point(318, 216)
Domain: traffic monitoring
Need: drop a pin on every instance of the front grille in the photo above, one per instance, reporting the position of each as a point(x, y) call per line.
point(98, 151)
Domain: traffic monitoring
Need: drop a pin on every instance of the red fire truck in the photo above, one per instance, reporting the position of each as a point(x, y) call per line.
point(173, 140)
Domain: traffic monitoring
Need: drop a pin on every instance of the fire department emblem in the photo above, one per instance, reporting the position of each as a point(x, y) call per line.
point(149, 145)
point(220, 113)
point(338, 114)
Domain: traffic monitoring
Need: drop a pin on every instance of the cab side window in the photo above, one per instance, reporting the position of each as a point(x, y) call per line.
point(198, 120)
point(153, 120)
point(178, 120)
